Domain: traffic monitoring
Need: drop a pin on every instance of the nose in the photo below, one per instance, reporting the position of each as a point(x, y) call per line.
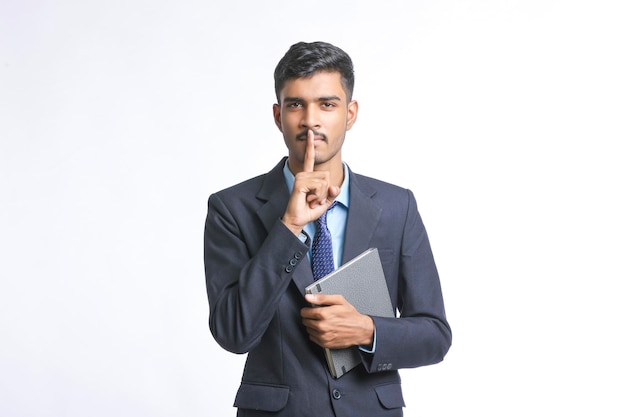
point(310, 118)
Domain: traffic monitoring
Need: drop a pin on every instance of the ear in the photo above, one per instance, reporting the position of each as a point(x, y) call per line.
point(353, 111)
point(277, 119)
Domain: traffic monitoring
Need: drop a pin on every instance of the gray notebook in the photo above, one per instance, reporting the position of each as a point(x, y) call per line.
point(362, 283)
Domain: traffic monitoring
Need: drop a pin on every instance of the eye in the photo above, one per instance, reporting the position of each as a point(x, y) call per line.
point(328, 104)
point(294, 105)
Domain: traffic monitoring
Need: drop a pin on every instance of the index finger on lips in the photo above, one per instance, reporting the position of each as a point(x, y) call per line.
point(309, 153)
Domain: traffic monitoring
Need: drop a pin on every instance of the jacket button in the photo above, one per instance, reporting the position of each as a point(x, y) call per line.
point(297, 255)
point(336, 394)
point(293, 262)
point(288, 268)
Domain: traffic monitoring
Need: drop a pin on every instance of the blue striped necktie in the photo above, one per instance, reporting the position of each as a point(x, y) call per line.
point(322, 248)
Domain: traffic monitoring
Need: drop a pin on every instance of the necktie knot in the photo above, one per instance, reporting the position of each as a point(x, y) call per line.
point(321, 221)
point(322, 260)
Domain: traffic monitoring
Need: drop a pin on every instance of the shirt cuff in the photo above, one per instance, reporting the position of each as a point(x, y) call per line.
point(366, 349)
point(304, 238)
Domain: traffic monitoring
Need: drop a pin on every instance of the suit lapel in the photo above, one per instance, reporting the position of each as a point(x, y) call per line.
point(363, 217)
point(275, 194)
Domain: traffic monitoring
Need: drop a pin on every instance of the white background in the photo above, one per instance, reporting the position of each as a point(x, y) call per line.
point(119, 118)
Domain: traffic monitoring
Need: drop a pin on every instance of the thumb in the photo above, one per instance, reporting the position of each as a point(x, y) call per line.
point(333, 191)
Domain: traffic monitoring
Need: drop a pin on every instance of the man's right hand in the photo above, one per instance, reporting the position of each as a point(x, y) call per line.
point(312, 192)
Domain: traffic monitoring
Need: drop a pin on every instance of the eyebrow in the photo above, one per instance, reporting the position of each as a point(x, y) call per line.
point(323, 98)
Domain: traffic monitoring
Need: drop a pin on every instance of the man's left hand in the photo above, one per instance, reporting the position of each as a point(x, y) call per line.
point(334, 323)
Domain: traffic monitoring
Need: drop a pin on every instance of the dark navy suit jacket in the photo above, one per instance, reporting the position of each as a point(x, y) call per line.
point(256, 272)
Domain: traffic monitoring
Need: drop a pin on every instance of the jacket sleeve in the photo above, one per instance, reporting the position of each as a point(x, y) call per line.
point(245, 279)
point(421, 335)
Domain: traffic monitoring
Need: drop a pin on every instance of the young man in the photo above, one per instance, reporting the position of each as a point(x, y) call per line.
point(258, 240)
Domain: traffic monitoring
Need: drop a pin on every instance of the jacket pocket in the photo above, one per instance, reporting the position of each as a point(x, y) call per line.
point(390, 395)
point(262, 397)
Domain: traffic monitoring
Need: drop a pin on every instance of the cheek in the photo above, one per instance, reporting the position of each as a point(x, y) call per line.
point(337, 124)
point(290, 124)
point(336, 118)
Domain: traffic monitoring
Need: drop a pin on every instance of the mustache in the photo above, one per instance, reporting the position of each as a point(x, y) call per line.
point(303, 135)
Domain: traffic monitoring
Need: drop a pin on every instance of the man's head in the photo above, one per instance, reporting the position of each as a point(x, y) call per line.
point(314, 90)
point(303, 60)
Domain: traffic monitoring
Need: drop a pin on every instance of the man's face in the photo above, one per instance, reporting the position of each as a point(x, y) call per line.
point(318, 103)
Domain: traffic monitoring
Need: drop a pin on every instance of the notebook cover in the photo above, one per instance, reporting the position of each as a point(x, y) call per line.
point(362, 283)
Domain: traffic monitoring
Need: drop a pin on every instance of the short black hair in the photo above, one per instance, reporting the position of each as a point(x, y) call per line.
point(303, 60)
